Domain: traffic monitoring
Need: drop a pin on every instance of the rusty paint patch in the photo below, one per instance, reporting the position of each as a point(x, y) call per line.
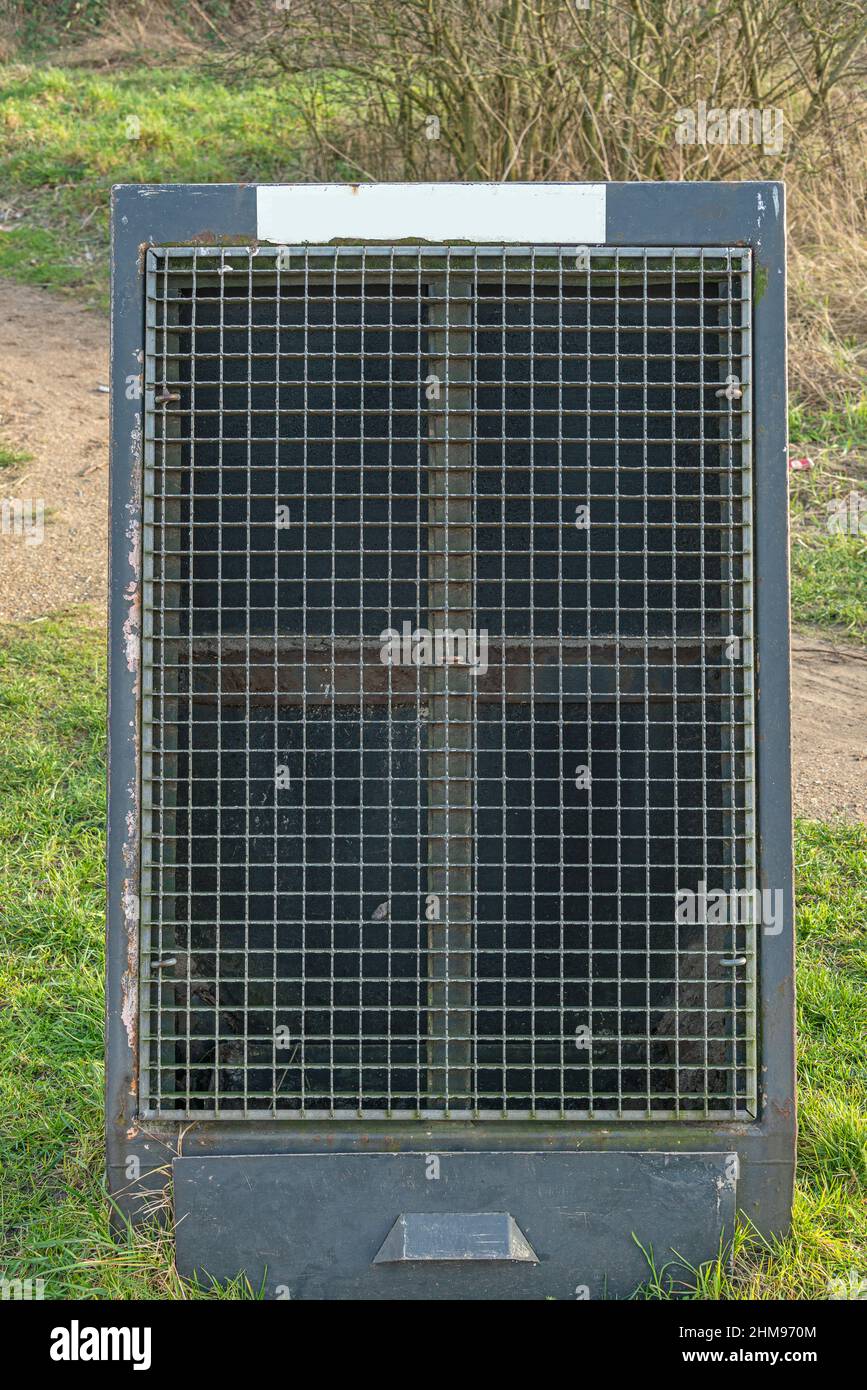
point(211, 238)
point(129, 849)
point(135, 439)
point(132, 627)
point(129, 979)
point(208, 237)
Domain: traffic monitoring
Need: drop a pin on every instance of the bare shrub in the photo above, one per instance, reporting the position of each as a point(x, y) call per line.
point(544, 89)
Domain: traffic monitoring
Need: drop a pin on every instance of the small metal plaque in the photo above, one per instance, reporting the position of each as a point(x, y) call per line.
point(455, 1235)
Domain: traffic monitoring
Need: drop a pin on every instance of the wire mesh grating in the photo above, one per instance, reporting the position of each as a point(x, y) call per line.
point(447, 683)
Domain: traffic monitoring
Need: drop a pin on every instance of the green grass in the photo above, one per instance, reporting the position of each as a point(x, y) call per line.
point(829, 564)
point(829, 585)
point(10, 456)
point(64, 140)
point(842, 427)
point(53, 1212)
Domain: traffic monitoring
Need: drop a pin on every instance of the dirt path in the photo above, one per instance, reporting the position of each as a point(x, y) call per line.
point(53, 359)
point(829, 728)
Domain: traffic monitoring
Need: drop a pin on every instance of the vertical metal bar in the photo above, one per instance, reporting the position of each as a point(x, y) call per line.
point(503, 734)
point(305, 680)
point(361, 705)
point(728, 679)
point(645, 428)
point(187, 957)
point(474, 715)
point(276, 1081)
point(703, 641)
point(337, 339)
point(450, 830)
point(221, 604)
point(172, 933)
point(588, 628)
point(618, 716)
point(421, 961)
point(561, 793)
point(249, 961)
point(532, 711)
point(675, 657)
point(745, 288)
point(150, 1080)
point(392, 809)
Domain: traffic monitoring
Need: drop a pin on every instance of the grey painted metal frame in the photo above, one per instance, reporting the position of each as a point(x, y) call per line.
point(140, 1153)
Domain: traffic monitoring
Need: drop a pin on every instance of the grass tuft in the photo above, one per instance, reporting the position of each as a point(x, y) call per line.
point(842, 427)
point(11, 456)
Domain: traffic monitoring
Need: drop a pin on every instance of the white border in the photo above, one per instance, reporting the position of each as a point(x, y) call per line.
point(526, 213)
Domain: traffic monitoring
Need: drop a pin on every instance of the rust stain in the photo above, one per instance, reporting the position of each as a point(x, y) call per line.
point(129, 979)
point(135, 440)
point(132, 627)
point(208, 237)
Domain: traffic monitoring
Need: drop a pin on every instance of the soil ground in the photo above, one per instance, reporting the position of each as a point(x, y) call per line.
point(53, 362)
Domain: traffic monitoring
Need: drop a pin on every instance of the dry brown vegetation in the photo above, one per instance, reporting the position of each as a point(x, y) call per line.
point(547, 89)
point(828, 286)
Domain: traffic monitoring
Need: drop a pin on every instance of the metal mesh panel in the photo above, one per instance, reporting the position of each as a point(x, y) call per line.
point(447, 683)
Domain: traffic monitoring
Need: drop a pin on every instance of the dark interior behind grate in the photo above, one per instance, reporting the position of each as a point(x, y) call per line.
point(386, 888)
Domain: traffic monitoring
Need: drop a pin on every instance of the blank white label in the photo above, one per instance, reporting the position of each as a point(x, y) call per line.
point(528, 213)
